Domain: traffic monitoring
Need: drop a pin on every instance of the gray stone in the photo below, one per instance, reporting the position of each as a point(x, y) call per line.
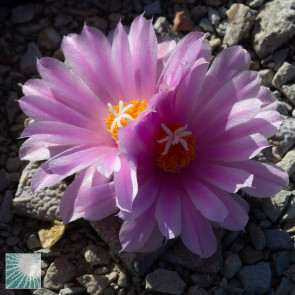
point(249, 255)
point(199, 11)
point(289, 92)
point(22, 14)
point(256, 236)
point(137, 5)
point(203, 280)
point(43, 204)
point(6, 214)
point(44, 292)
point(221, 28)
point(290, 273)
point(284, 139)
point(265, 224)
point(12, 107)
point(97, 22)
point(28, 29)
point(213, 16)
point(178, 254)
point(288, 163)
point(33, 242)
point(12, 164)
point(165, 281)
point(153, 8)
point(241, 19)
point(4, 180)
point(275, 206)
point(206, 25)
point(94, 284)
point(289, 214)
point(274, 14)
point(255, 3)
point(266, 77)
point(282, 262)
point(277, 239)
point(280, 57)
point(29, 59)
point(255, 278)
point(96, 255)
point(212, 2)
point(196, 290)
point(72, 291)
point(60, 271)
point(12, 241)
point(231, 266)
point(284, 108)
point(285, 74)
point(49, 39)
point(285, 287)
point(162, 26)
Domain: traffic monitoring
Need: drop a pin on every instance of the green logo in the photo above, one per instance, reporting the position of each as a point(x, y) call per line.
point(23, 271)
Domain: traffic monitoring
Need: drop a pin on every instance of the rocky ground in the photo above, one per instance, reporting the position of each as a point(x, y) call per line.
point(86, 260)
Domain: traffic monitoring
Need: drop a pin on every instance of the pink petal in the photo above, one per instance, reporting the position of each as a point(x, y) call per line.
point(226, 178)
point(35, 150)
point(69, 89)
point(268, 99)
point(125, 185)
point(87, 179)
point(89, 54)
point(143, 48)
point(141, 234)
point(37, 87)
point(124, 64)
point(62, 133)
point(47, 109)
point(268, 179)
point(197, 234)
point(204, 200)
point(231, 149)
point(168, 210)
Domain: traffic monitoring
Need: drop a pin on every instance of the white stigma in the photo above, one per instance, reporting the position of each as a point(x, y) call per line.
point(120, 115)
point(174, 137)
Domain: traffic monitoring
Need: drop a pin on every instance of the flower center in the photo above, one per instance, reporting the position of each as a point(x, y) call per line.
point(122, 114)
point(176, 149)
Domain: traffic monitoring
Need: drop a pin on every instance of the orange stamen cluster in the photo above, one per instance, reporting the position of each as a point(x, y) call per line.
point(136, 107)
point(178, 155)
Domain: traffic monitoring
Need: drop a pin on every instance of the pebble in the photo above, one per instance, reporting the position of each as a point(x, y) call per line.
point(165, 281)
point(196, 290)
point(256, 236)
point(284, 74)
point(96, 255)
point(289, 214)
point(282, 262)
point(49, 39)
point(94, 284)
point(280, 57)
point(72, 291)
point(178, 254)
point(60, 271)
point(43, 204)
point(231, 266)
point(284, 139)
point(241, 19)
point(13, 164)
point(212, 2)
point(215, 43)
point(12, 241)
point(44, 292)
point(213, 16)
point(249, 255)
point(203, 280)
point(6, 214)
point(22, 14)
point(162, 26)
point(97, 22)
point(288, 163)
point(255, 278)
point(275, 205)
point(255, 3)
point(153, 8)
point(277, 239)
point(266, 77)
point(33, 242)
point(289, 92)
point(4, 180)
point(206, 25)
point(284, 108)
point(182, 20)
point(28, 60)
point(137, 5)
point(199, 11)
point(274, 14)
point(285, 287)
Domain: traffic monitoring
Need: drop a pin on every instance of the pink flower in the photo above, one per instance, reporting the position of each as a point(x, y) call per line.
point(190, 156)
point(79, 106)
